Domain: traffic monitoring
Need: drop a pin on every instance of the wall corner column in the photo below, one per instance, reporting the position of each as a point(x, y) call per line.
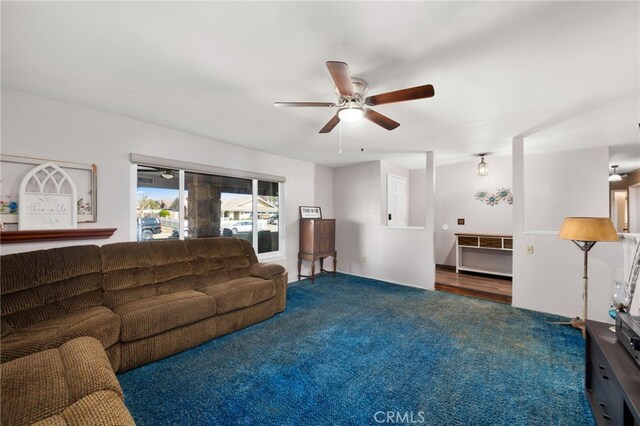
point(430, 219)
point(518, 216)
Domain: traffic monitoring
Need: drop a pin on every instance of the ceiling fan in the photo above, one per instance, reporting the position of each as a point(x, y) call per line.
point(353, 105)
point(164, 172)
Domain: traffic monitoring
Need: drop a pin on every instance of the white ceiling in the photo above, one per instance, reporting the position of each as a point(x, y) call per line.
point(565, 74)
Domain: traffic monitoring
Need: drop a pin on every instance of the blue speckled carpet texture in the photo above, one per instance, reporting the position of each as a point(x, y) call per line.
point(357, 351)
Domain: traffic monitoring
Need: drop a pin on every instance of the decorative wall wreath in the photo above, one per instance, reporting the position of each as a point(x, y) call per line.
point(494, 198)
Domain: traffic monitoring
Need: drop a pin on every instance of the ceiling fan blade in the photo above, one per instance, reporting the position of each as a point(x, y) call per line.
point(411, 94)
point(304, 104)
point(380, 120)
point(341, 77)
point(330, 124)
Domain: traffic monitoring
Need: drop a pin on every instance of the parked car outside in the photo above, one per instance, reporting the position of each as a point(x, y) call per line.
point(148, 227)
point(242, 226)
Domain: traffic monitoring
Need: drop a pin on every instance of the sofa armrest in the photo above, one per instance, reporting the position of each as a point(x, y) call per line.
point(265, 270)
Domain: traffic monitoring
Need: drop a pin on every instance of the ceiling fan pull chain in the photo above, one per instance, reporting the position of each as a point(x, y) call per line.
point(340, 152)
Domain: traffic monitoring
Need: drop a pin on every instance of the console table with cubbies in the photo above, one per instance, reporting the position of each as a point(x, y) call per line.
point(485, 253)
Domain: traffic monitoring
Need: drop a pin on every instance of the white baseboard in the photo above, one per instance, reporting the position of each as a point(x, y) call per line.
point(385, 280)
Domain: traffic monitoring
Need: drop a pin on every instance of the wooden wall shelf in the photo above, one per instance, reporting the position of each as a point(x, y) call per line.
point(13, 237)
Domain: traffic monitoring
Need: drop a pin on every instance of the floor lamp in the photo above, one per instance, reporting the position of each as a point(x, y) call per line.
point(585, 232)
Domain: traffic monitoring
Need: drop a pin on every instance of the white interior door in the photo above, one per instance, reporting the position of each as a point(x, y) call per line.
point(396, 200)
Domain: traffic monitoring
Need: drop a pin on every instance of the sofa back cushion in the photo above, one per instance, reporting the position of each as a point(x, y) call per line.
point(39, 285)
point(220, 259)
point(136, 270)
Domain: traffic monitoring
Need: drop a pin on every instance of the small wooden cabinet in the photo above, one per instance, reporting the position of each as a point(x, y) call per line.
point(612, 379)
point(317, 241)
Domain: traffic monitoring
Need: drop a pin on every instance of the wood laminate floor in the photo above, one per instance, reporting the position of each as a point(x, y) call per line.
point(469, 284)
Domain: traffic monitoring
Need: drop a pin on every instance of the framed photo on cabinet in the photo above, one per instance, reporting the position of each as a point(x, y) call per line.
point(310, 212)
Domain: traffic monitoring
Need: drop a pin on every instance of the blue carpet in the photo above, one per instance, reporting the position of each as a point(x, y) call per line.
point(350, 350)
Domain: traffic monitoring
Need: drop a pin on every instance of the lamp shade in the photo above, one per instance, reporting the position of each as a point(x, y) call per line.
point(588, 229)
point(350, 115)
point(615, 178)
point(483, 168)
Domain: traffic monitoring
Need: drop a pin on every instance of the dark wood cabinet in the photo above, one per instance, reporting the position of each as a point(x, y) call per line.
point(612, 378)
point(317, 241)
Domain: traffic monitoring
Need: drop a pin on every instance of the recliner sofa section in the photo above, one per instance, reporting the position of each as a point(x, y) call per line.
point(173, 295)
point(121, 305)
point(52, 296)
point(73, 385)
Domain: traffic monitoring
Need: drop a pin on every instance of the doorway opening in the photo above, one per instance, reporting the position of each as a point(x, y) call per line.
point(620, 209)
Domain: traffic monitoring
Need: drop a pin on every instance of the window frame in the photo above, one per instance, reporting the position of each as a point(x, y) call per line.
point(183, 167)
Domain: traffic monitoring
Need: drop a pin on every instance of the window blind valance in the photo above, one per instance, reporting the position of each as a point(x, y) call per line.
point(167, 163)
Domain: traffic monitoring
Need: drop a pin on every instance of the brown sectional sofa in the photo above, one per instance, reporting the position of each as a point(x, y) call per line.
point(142, 301)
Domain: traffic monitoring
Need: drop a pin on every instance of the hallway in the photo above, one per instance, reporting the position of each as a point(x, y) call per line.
point(497, 289)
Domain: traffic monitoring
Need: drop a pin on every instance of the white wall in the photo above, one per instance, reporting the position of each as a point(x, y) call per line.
point(417, 200)
point(634, 209)
point(365, 248)
point(564, 183)
point(37, 127)
point(456, 187)
point(549, 187)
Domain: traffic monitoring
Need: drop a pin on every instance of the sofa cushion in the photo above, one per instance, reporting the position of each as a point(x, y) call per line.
point(40, 285)
point(136, 264)
point(98, 322)
point(153, 315)
point(266, 270)
point(104, 408)
point(153, 348)
point(47, 383)
point(219, 254)
point(240, 293)
point(35, 268)
point(216, 247)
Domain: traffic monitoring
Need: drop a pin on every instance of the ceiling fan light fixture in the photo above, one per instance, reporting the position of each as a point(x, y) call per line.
point(350, 114)
point(353, 101)
point(167, 174)
point(615, 177)
point(483, 168)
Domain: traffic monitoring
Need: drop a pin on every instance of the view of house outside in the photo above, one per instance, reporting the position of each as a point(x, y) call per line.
point(214, 206)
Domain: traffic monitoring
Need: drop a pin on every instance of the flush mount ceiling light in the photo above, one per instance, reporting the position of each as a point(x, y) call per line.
point(167, 174)
point(350, 113)
point(483, 168)
point(615, 177)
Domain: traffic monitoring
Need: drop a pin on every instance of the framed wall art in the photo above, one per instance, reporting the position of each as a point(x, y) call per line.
point(310, 212)
point(14, 168)
point(47, 198)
